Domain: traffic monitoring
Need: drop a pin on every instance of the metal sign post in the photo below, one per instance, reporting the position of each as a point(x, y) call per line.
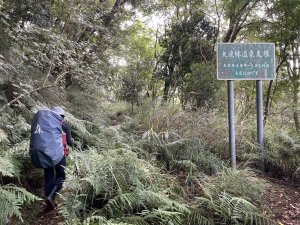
point(231, 122)
point(255, 61)
point(260, 125)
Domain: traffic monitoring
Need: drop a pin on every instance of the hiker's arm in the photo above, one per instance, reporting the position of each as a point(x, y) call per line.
point(67, 130)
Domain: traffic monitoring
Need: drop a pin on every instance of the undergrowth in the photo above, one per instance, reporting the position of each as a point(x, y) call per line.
point(13, 131)
point(156, 176)
point(144, 170)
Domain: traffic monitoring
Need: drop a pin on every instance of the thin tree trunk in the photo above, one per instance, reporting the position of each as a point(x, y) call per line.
point(267, 105)
point(269, 94)
point(296, 96)
point(293, 72)
point(166, 90)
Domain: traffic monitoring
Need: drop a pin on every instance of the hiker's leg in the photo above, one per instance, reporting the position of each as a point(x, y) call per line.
point(57, 184)
point(49, 180)
point(60, 174)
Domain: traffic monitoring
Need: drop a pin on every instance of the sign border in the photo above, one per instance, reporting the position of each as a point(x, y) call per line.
point(267, 43)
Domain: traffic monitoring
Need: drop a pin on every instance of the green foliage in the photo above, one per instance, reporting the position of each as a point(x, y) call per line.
point(283, 153)
point(230, 196)
point(131, 88)
point(242, 183)
point(110, 109)
point(170, 123)
point(143, 199)
point(186, 42)
point(162, 216)
point(12, 145)
point(137, 53)
point(61, 43)
point(159, 118)
point(105, 176)
point(91, 50)
point(137, 220)
point(197, 216)
point(187, 155)
point(200, 86)
point(123, 185)
point(117, 185)
point(228, 209)
point(11, 198)
point(167, 125)
point(7, 167)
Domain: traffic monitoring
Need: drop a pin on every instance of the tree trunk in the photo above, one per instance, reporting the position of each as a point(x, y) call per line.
point(294, 71)
point(166, 90)
point(268, 99)
point(296, 105)
point(269, 93)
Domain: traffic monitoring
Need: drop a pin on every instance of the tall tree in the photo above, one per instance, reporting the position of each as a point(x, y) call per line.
point(137, 55)
point(283, 30)
point(187, 41)
point(237, 12)
point(58, 42)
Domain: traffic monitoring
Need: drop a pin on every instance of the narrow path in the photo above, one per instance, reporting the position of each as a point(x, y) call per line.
point(37, 214)
point(48, 218)
point(283, 199)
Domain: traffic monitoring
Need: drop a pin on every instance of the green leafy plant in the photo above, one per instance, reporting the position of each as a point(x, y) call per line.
point(228, 209)
point(11, 199)
point(12, 145)
point(283, 155)
point(242, 183)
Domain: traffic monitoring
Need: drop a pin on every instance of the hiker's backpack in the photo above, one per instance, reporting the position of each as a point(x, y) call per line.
point(46, 147)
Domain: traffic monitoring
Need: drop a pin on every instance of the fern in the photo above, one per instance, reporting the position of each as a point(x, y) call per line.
point(197, 217)
point(115, 185)
point(185, 165)
point(151, 135)
point(134, 220)
point(107, 175)
point(7, 168)
point(136, 201)
point(283, 152)
point(20, 149)
point(238, 182)
point(94, 220)
point(161, 216)
point(122, 203)
point(232, 210)
point(21, 195)
point(3, 136)
point(244, 211)
point(9, 206)
point(11, 198)
point(177, 154)
point(80, 129)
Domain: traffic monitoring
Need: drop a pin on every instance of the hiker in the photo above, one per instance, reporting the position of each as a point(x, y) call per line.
point(50, 136)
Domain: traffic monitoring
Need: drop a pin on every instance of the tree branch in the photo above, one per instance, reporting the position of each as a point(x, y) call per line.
point(60, 77)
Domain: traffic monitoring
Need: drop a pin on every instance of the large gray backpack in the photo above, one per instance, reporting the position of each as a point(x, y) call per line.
point(46, 147)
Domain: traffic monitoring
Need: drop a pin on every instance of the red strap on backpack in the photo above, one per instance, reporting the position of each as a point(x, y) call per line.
point(64, 141)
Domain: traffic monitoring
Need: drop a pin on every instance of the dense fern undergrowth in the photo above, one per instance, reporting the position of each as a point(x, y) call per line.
point(156, 165)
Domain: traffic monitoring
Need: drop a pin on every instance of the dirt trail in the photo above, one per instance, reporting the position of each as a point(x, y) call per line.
point(46, 217)
point(37, 213)
point(283, 198)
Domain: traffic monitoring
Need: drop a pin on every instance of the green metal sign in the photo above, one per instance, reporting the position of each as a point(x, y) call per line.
point(246, 61)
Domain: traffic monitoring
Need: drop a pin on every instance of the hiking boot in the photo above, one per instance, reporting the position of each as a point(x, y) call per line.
point(50, 202)
point(50, 198)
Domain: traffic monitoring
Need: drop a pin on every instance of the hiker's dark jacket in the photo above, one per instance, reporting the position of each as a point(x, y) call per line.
point(67, 130)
